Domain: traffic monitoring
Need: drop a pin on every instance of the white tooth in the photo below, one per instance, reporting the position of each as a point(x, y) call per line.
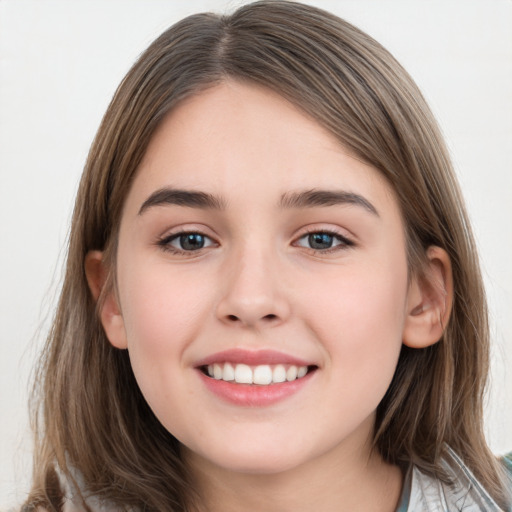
point(243, 374)
point(228, 373)
point(279, 373)
point(291, 373)
point(302, 371)
point(262, 374)
point(210, 370)
point(217, 371)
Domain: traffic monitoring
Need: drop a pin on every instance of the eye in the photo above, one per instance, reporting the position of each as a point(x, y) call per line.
point(185, 242)
point(323, 241)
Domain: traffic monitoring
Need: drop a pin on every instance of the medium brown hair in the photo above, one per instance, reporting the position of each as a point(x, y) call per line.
point(91, 415)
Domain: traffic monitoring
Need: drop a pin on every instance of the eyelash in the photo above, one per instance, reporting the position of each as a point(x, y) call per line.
point(165, 242)
point(345, 243)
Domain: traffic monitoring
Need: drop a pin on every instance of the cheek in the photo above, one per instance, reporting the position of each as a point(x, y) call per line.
point(162, 312)
point(360, 322)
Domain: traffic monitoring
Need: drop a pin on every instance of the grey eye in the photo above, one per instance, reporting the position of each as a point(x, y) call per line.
point(188, 241)
point(191, 241)
point(320, 240)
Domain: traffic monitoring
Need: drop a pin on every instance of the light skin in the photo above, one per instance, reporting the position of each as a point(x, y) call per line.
point(269, 265)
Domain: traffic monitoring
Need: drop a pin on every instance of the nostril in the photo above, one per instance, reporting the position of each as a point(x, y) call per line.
point(269, 317)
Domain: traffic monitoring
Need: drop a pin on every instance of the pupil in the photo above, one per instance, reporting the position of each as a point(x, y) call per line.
point(192, 242)
point(320, 240)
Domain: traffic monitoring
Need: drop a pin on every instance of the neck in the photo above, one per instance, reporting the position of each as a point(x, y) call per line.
point(343, 480)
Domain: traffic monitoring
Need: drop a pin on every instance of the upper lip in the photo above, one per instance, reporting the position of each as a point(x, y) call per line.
point(252, 358)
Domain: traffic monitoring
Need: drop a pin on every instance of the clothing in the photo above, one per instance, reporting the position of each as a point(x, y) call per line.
point(424, 493)
point(421, 492)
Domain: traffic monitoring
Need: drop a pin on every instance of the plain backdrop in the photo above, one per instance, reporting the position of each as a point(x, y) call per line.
point(60, 62)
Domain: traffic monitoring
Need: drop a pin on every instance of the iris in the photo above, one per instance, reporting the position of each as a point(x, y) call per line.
point(192, 241)
point(320, 240)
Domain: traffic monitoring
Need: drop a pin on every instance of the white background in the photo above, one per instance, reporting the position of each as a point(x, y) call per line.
point(60, 62)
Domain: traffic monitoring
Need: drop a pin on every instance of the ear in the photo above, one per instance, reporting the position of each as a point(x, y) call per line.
point(429, 301)
point(104, 295)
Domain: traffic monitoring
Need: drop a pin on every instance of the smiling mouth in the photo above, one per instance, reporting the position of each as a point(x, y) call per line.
point(262, 375)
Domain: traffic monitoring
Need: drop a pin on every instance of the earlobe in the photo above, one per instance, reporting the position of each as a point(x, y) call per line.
point(103, 293)
point(429, 301)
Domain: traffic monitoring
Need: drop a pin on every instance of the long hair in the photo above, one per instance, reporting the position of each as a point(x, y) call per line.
point(89, 413)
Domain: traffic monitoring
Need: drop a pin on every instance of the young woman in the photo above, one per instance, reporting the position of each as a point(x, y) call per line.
point(272, 299)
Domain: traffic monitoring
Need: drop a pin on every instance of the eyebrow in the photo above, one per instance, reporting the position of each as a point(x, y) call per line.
point(303, 199)
point(315, 197)
point(190, 198)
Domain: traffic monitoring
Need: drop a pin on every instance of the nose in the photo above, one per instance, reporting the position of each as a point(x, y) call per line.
point(253, 294)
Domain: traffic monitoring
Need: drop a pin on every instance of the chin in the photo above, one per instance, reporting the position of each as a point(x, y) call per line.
point(253, 459)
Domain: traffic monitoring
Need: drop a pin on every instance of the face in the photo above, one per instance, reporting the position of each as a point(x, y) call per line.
point(254, 248)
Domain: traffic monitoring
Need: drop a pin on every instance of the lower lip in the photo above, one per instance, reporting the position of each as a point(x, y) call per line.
point(254, 395)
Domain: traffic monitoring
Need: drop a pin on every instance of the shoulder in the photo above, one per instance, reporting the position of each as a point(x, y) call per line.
point(506, 460)
point(76, 498)
point(427, 492)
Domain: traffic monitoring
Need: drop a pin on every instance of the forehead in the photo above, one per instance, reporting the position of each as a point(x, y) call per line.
point(233, 138)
